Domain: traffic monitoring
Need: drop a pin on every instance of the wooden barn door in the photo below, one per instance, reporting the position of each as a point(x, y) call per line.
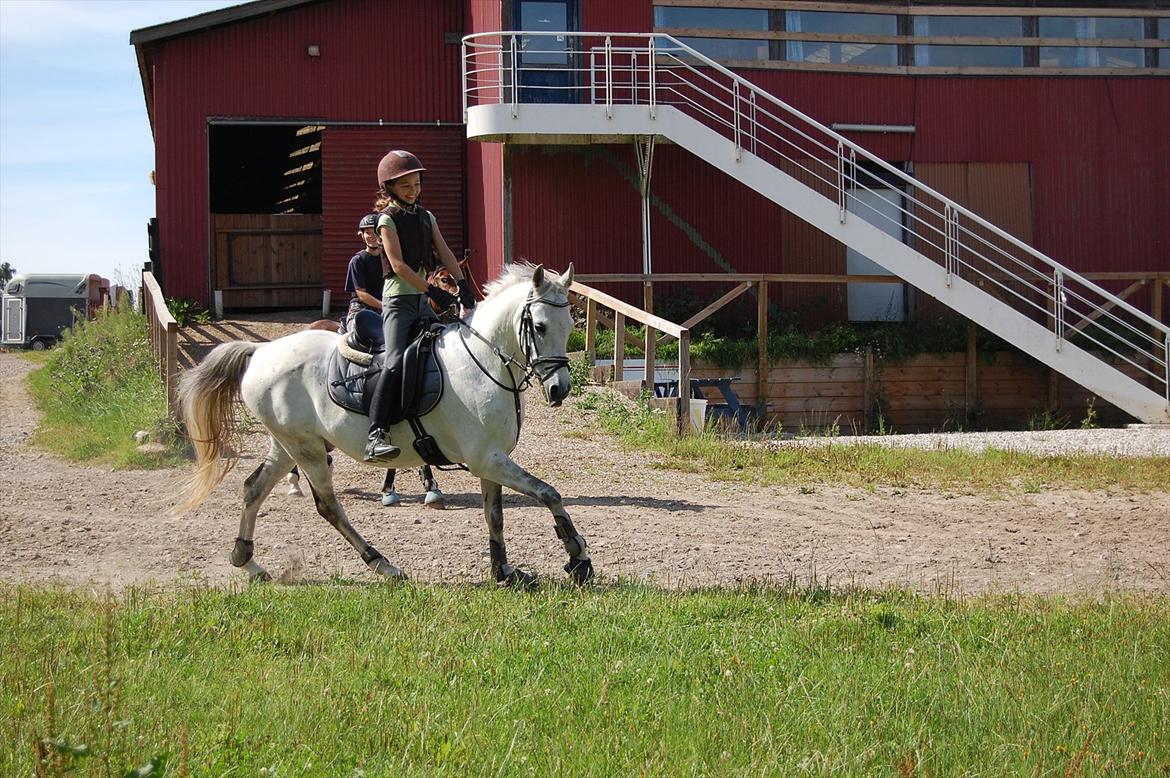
point(267, 260)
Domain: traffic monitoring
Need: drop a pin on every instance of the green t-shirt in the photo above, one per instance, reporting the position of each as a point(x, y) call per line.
point(394, 286)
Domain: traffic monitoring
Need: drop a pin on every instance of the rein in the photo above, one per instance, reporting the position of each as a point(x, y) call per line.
point(540, 367)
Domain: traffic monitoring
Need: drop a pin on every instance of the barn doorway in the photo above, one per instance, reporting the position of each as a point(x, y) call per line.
point(264, 184)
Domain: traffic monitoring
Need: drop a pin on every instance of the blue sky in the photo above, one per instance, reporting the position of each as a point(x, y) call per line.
point(75, 144)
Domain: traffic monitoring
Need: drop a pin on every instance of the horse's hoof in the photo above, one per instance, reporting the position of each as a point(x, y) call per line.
point(391, 498)
point(515, 577)
point(435, 499)
point(294, 490)
point(260, 576)
point(580, 570)
point(387, 570)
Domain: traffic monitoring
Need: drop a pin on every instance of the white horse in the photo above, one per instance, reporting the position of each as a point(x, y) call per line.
point(517, 334)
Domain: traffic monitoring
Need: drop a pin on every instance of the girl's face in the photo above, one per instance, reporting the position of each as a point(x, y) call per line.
point(407, 188)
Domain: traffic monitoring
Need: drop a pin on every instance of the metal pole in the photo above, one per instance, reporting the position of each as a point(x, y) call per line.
point(608, 77)
point(515, 79)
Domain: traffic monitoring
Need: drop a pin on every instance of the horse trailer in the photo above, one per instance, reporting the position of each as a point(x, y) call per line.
point(38, 307)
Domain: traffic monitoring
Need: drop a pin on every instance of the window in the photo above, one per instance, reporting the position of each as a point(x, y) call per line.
point(729, 48)
point(969, 56)
point(544, 17)
point(936, 55)
point(711, 18)
point(1085, 57)
point(1091, 27)
point(876, 40)
point(841, 23)
point(843, 53)
point(969, 26)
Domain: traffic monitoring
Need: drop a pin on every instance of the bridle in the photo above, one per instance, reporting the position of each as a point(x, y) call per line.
point(534, 366)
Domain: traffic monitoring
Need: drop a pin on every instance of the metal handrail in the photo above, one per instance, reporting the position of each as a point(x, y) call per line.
point(665, 71)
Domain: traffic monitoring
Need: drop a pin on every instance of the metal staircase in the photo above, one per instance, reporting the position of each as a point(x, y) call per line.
point(609, 87)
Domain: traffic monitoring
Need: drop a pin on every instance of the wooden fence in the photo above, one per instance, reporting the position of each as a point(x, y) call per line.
point(164, 337)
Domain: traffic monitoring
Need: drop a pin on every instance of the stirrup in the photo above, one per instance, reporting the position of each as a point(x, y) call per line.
point(379, 448)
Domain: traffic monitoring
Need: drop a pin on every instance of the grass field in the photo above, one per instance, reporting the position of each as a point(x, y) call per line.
point(338, 680)
point(996, 472)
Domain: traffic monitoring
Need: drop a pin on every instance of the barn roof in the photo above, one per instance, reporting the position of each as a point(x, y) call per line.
point(146, 38)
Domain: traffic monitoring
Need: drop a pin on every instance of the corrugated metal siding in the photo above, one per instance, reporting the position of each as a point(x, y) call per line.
point(349, 159)
point(617, 16)
point(1099, 183)
point(259, 68)
point(485, 172)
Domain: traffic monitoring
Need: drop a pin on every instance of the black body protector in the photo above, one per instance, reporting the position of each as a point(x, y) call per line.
point(414, 235)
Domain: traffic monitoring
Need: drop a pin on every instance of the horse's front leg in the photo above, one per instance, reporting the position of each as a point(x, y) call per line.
point(502, 470)
point(493, 511)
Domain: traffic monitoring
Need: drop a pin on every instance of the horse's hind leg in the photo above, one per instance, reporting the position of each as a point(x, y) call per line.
point(294, 482)
point(321, 484)
point(434, 497)
point(502, 470)
point(256, 488)
point(493, 511)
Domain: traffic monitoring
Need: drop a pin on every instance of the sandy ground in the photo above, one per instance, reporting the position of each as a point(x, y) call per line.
point(78, 524)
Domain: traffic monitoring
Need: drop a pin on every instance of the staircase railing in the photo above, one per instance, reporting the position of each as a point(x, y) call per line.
point(652, 70)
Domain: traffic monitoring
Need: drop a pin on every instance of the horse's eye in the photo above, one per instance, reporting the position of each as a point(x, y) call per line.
point(540, 328)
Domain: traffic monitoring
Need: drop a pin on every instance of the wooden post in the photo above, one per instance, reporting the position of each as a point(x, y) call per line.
point(684, 382)
point(172, 369)
point(591, 330)
point(619, 346)
point(970, 386)
point(867, 390)
point(648, 348)
point(762, 334)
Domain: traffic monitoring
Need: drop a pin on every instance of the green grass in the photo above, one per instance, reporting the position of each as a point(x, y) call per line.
point(96, 389)
point(338, 680)
point(993, 471)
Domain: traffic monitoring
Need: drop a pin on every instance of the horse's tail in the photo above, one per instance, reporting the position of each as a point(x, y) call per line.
point(207, 396)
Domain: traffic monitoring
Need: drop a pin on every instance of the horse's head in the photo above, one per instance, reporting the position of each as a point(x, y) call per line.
point(544, 331)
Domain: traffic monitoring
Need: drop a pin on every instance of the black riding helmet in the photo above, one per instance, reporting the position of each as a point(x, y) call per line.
point(370, 220)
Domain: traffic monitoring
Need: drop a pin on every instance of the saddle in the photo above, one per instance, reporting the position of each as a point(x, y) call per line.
point(355, 368)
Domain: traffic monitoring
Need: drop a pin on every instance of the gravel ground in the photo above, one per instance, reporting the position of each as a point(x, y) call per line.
point(1137, 440)
point(87, 525)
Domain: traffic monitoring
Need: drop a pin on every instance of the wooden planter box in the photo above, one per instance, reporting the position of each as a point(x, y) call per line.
point(859, 393)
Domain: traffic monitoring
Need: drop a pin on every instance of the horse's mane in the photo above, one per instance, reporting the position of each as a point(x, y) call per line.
point(517, 272)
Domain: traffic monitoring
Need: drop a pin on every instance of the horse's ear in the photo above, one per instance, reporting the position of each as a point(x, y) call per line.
point(538, 277)
point(567, 277)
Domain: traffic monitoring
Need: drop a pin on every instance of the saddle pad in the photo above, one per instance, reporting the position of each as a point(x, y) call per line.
point(352, 385)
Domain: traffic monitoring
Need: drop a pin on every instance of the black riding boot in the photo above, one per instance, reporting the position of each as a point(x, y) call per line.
point(379, 448)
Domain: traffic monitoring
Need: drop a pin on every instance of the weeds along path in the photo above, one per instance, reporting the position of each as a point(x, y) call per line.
point(81, 524)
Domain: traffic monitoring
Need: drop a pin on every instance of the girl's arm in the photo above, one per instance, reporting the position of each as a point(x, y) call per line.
point(392, 260)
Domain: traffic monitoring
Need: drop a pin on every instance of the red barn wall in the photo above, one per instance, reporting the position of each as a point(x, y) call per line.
point(1099, 161)
point(258, 68)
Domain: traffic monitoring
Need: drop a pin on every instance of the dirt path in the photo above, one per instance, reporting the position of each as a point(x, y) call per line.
point(83, 524)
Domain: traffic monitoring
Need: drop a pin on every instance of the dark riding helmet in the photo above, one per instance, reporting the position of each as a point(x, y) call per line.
point(396, 164)
point(370, 220)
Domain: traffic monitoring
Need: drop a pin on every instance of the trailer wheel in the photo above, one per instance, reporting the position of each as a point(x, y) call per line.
point(38, 345)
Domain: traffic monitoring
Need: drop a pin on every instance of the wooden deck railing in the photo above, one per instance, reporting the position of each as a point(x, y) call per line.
point(163, 331)
point(745, 282)
point(621, 311)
